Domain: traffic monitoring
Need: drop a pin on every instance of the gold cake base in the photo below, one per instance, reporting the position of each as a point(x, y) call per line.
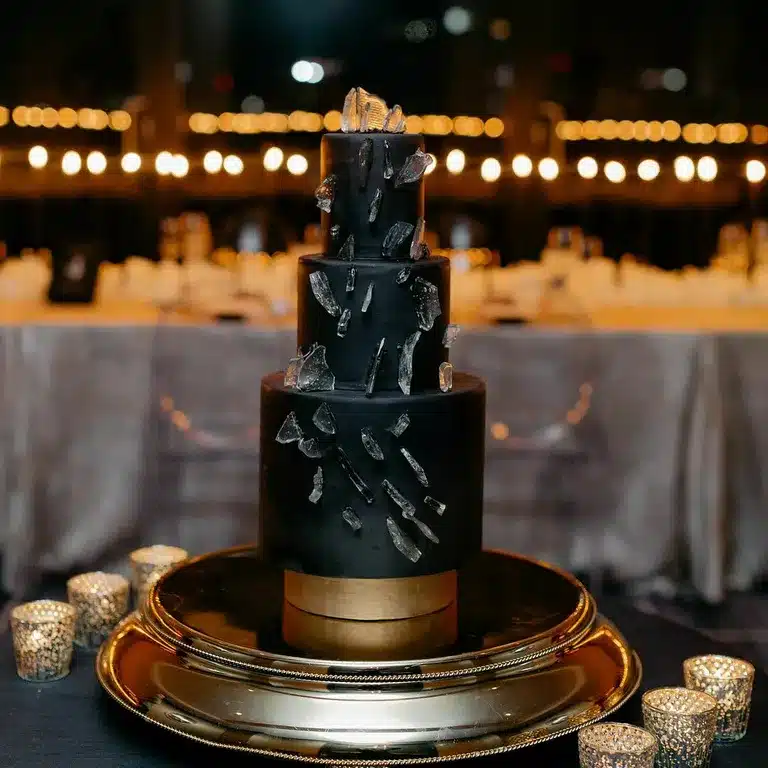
point(217, 655)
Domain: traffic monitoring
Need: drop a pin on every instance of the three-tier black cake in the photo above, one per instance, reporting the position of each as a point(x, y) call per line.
point(372, 447)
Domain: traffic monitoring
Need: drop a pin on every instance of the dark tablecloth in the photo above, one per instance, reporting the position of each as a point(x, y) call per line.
point(73, 724)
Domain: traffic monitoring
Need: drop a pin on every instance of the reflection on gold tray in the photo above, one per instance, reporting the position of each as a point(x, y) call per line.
point(524, 659)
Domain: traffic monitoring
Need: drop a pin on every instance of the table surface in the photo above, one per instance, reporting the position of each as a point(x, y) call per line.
point(73, 723)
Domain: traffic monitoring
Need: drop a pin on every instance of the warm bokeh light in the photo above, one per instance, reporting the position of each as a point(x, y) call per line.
point(332, 120)
point(615, 171)
point(38, 157)
point(432, 166)
point(587, 167)
point(96, 163)
point(706, 168)
point(213, 161)
point(522, 166)
point(71, 163)
point(494, 127)
point(233, 165)
point(455, 161)
point(548, 169)
point(131, 162)
point(119, 120)
point(685, 169)
point(164, 163)
point(648, 170)
point(755, 171)
point(490, 170)
point(180, 166)
point(67, 117)
point(297, 164)
point(273, 159)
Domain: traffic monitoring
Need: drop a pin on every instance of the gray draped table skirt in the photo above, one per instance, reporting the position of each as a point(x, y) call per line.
point(638, 453)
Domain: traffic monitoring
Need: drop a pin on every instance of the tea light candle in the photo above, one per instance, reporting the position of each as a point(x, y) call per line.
point(43, 632)
point(100, 601)
point(616, 745)
point(729, 681)
point(684, 722)
point(150, 563)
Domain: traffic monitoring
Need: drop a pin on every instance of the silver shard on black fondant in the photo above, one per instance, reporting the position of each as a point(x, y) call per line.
point(405, 364)
point(351, 279)
point(389, 170)
point(351, 519)
point(445, 376)
point(406, 507)
point(426, 530)
point(397, 235)
point(399, 426)
point(417, 239)
point(402, 541)
point(343, 326)
point(317, 486)
point(324, 420)
point(421, 475)
point(393, 119)
point(347, 251)
point(311, 448)
point(321, 289)
point(375, 205)
point(291, 377)
point(427, 302)
point(335, 232)
point(451, 334)
point(370, 444)
point(364, 161)
point(354, 477)
point(368, 297)
point(290, 431)
point(434, 505)
point(372, 371)
point(403, 275)
point(325, 193)
point(413, 168)
point(314, 373)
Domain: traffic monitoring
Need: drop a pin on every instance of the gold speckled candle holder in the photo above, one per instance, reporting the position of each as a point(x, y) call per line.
point(43, 633)
point(684, 722)
point(729, 681)
point(616, 745)
point(150, 563)
point(100, 601)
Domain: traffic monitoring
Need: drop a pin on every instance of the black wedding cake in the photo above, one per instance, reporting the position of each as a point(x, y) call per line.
point(372, 447)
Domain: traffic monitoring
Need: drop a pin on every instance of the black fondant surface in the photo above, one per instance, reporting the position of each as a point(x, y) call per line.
point(446, 435)
point(339, 156)
point(391, 315)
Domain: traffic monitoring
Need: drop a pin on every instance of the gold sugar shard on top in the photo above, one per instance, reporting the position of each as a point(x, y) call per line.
point(365, 112)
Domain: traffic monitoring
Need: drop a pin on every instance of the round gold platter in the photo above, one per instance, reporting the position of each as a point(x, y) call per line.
point(216, 655)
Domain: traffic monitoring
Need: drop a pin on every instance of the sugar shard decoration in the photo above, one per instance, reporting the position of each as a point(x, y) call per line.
point(426, 530)
point(347, 251)
point(403, 275)
point(427, 301)
point(351, 279)
point(370, 444)
point(335, 231)
point(350, 122)
point(401, 540)
point(324, 420)
point(421, 475)
point(376, 108)
point(413, 168)
point(372, 371)
point(321, 289)
point(343, 326)
point(446, 377)
point(317, 486)
point(375, 205)
point(290, 431)
point(389, 170)
point(397, 235)
point(451, 334)
point(364, 161)
point(325, 193)
point(434, 504)
point(393, 119)
point(351, 519)
point(405, 365)
point(407, 508)
point(292, 372)
point(314, 373)
point(400, 425)
point(311, 448)
point(368, 297)
point(354, 477)
point(418, 239)
point(365, 118)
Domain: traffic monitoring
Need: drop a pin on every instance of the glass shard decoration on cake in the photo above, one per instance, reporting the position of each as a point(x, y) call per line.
point(394, 121)
point(347, 251)
point(373, 368)
point(418, 237)
point(450, 335)
point(400, 425)
point(403, 275)
point(365, 117)
point(317, 486)
point(321, 290)
point(373, 208)
point(426, 530)
point(398, 233)
point(364, 160)
point(354, 476)
point(368, 297)
point(370, 444)
point(335, 231)
point(413, 168)
point(421, 475)
point(407, 508)
point(290, 431)
point(291, 377)
point(389, 170)
point(445, 377)
point(343, 326)
point(351, 519)
point(311, 448)
point(324, 420)
point(324, 194)
point(314, 373)
point(402, 541)
point(363, 111)
point(405, 365)
point(351, 279)
point(427, 302)
point(350, 120)
point(434, 504)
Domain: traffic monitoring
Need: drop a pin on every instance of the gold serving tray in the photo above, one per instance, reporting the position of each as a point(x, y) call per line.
point(216, 655)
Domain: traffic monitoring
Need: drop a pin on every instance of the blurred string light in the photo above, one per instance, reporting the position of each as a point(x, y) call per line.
point(615, 171)
point(307, 72)
point(233, 165)
point(648, 170)
point(432, 166)
point(490, 170)
point(755, 171)
point(548, 169)
point(71, 163)
point(180, 167)
point(297, 165)
point(706, 168)
point(674, 79)
point(38, 157)
point(164, 164)
point(684, 168)
point(131, 162)
point(96, 163)
point(455, 161)
point(587, 167)
point(457, 20)
point(213, 161)
point(522, 166)
point(273, 159)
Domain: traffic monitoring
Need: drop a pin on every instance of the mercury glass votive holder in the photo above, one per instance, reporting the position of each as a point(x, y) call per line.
point(729, 681)
point(616, 745)
point(150, 563)
point(100, 600)
point(43, 633)
point(684, 722)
